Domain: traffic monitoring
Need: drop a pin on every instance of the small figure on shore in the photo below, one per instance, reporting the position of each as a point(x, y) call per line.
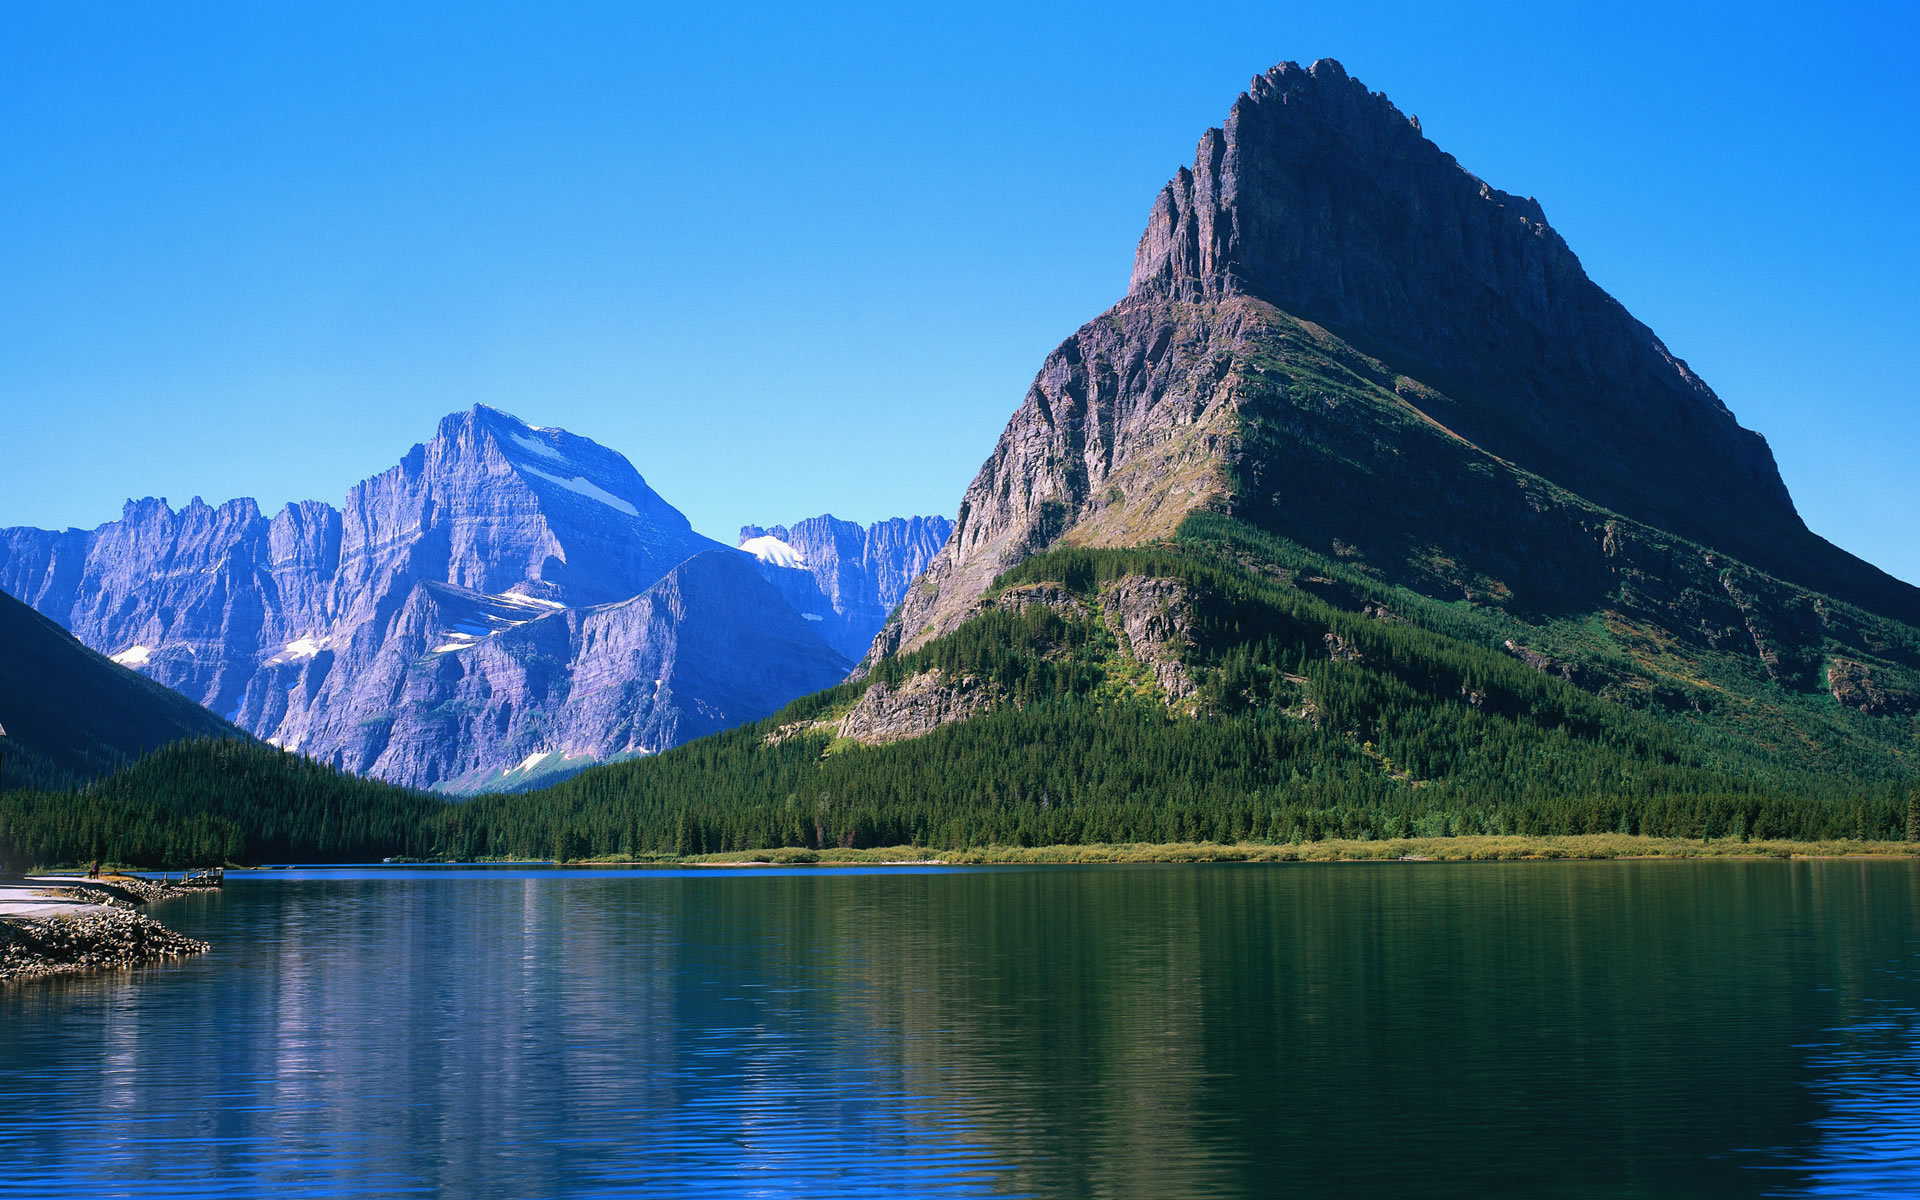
point(93, 872)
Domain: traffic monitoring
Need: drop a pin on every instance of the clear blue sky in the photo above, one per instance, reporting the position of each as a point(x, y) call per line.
point(792, 259)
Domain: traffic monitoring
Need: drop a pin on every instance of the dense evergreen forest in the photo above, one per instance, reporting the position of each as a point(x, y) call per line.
point(209, 801)
point(1312, 718)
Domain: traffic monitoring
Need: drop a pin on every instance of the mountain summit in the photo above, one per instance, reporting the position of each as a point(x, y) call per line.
point(1335, 330)
point(1324, 199)
point(506, 602)
point(1336, 336)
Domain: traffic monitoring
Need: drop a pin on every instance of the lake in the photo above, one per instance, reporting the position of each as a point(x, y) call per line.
point(1539, 1029)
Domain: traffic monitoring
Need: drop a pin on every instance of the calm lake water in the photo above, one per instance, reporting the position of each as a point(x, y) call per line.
point(1538, 1029)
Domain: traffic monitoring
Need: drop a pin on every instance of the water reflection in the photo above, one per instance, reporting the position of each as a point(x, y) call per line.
point(1554, 1029)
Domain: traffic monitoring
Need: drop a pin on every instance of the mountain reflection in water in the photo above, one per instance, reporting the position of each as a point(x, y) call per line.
point(1388, 1029)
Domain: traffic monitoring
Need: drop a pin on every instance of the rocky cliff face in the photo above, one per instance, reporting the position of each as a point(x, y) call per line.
point(844, 577)
point(498, 594)
point(1336, 332)
point(469, 690)
point(1130, 425)
point(1324, 199)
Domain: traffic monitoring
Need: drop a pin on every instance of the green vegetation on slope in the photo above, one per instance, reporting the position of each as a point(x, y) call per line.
point(208, 801)
point(1421, 729)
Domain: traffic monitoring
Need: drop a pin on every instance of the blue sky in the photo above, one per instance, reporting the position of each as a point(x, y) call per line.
point(794, 259)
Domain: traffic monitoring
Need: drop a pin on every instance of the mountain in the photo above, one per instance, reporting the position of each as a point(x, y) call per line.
point(1364, 513)
point(431, 629)
point(1336, 334)
point(473, 692)
point(70, 715)
point(844, 577)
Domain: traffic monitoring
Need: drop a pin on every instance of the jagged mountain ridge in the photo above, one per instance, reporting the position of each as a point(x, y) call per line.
point(845, 577)
point(437, 628)
point(200, 597)
point(489, 691)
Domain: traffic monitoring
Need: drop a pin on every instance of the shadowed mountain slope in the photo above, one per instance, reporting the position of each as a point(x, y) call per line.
point(70, 714)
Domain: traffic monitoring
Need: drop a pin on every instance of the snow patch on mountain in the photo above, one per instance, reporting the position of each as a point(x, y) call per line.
point(306, 646)
point(134, 656)
point(583, 486)
point(536, 446)
point(770, 549)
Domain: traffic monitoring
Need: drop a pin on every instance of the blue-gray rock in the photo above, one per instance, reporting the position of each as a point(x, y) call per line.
point(844, 577)
point(489, 599)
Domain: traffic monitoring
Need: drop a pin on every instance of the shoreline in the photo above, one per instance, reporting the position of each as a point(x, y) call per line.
point(58, 925)
point(1596, 847)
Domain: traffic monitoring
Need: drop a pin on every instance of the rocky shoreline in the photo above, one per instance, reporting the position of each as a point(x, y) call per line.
point(52, 927)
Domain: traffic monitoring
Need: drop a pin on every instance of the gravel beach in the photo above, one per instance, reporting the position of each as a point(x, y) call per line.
point(53, 927)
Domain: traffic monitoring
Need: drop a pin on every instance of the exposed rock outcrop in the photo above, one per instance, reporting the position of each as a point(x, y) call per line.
point(916, 706)
point(1154, 619)
point(1051, 596)
point(1853, 685)
point(1128, 428)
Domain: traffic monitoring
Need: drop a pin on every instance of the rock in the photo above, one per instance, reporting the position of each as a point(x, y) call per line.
point(1339, 649)
point(1051, 596)
point(843, 577)
point(1323, 198)
point(532, 688)
point(87, 939)
point(1154, 619)
point(916, 706)
point(1571, 672)
point(1852, 684)
point(1128, 428)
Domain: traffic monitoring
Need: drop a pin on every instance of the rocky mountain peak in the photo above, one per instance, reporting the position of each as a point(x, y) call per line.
point(1324, 199)
point(1321, 248)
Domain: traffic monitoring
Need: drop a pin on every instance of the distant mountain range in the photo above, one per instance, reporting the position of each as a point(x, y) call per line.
point(844, 577)
point(507, 604)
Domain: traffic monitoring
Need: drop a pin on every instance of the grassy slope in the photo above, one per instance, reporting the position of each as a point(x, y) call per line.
point(1367, 497)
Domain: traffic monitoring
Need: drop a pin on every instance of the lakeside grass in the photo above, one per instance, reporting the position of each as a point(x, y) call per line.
point(1441, 849)
point(1513, 848)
